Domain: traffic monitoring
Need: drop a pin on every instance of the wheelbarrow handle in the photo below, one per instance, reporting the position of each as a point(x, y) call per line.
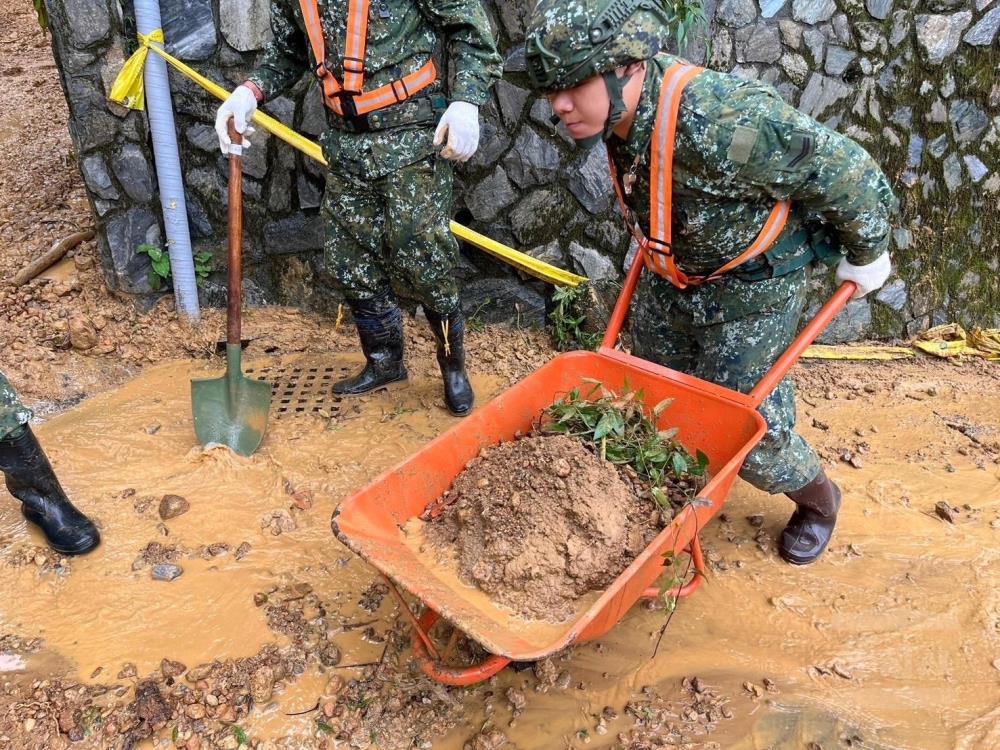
point(785, 362)
point(814, 328)
point(235, 282)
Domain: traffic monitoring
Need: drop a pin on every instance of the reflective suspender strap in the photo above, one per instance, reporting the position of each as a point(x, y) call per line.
point(659, 255)
point(772, 229)
point(354, 64)
point(397, 91)
point(314, 30)
point(354, 49)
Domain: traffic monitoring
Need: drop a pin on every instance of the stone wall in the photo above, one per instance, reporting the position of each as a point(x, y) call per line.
point(914, 80)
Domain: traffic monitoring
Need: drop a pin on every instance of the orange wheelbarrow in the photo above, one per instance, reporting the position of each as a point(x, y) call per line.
point(723, 424)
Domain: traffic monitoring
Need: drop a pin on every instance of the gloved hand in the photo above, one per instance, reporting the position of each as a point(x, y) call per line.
point(240, 106)
point(868, 277)
point(461, 123)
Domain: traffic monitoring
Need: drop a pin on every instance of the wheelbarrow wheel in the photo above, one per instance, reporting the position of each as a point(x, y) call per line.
point(438, 667)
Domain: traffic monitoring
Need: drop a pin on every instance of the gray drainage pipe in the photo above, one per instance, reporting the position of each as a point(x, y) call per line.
point(160, 111)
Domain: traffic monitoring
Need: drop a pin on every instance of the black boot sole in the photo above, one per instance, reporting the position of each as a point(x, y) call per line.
point(395, 382)
point(455, 413)
point(81, 549)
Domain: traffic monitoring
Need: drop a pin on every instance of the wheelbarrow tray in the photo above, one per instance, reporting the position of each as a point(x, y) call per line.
point(719, 422)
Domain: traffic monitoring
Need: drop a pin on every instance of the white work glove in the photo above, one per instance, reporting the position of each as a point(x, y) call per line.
point(461, 123)
point(240, 106)
point(869, 277)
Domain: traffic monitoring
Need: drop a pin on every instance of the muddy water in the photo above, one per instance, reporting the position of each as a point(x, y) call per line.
point(892, 641)
point(135, 445)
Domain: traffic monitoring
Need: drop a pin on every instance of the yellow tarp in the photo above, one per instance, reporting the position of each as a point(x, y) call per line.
point(128, 91)
point(949, 340)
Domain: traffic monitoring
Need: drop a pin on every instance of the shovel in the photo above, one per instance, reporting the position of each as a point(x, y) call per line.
point(232, 410)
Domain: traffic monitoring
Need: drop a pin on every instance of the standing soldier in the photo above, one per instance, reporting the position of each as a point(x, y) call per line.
point(388, 194)
point(29, 478)
point(738, 193)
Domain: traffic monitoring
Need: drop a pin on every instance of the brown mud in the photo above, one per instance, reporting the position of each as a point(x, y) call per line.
point(539, 523)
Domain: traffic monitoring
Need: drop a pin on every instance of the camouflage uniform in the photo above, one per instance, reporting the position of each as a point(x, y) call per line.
point(13, 414)
point(388, 196)
point(739, 148)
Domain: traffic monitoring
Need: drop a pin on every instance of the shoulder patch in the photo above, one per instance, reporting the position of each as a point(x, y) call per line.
point(741, 146)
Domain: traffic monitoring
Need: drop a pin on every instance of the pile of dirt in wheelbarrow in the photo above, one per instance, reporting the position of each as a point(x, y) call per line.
point(539, 522)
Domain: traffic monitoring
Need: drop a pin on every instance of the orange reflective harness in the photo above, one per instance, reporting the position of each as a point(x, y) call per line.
point(347, 99)
point(657, 251)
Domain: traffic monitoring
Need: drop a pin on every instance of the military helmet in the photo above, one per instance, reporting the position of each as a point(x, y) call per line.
point(569, 41)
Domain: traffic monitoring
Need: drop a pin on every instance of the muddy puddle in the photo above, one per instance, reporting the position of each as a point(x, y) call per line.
point(892, 641)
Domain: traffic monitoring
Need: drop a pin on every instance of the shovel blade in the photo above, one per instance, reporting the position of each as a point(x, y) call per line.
point(231, 410)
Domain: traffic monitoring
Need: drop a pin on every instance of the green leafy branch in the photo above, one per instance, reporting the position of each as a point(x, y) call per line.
point(43, 14)
point(686, 16)
point(568, 320)
point(159, 273)
point(622, 432)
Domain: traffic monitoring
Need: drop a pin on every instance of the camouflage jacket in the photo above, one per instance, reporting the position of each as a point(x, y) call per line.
point(402, 36)
point(739, 148)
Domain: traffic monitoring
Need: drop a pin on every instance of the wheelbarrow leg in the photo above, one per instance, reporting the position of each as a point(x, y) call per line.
point(431, 663)
point(693, 549)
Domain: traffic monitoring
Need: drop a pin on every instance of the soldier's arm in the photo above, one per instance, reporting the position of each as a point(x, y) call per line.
point(286, 57)
point(469, 43)
point(791, 156)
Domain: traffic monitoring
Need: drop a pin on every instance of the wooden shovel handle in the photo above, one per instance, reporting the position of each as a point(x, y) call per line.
point(235, 287)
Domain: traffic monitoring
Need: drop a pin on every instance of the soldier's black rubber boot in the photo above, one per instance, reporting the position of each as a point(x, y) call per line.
point(449, 332)
point(30, 479)
point(811, 526)
point(380, 328)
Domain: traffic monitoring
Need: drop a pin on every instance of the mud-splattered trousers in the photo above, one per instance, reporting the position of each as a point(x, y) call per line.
point(740, 148)
point(13, 414)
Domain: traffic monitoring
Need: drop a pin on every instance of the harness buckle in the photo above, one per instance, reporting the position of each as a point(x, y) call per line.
point(358, 123)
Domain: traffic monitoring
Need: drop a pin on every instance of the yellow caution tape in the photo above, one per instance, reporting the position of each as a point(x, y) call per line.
point(128, 86)
point(821, 351)
point(539, 269)
point(128, 91)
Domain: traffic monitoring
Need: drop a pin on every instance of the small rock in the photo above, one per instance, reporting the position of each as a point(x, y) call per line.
point(170, 668)
point(516, 698)
point(128, 671)
point(172, 506)
point(303, 499)
point(262, 684)
point(260, 599)
point(756, 520)
point(167, 572)
point(242, 551)
point(561, 468)
point(82, 334)
point(945, 512)
point(195, 711)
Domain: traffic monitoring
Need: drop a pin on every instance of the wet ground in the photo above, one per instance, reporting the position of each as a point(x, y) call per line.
point(892, 641)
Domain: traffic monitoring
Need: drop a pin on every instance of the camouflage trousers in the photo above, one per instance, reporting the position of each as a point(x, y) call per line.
point(393, 231)
point(730, 333)
point(13, 414)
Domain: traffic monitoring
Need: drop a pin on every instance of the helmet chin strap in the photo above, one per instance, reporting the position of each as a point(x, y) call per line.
point(616, 108)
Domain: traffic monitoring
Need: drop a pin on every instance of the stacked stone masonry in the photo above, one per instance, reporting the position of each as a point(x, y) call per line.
point(915, 81)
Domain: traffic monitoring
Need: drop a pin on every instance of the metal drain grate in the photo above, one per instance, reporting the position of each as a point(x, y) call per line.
point(301, 390)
